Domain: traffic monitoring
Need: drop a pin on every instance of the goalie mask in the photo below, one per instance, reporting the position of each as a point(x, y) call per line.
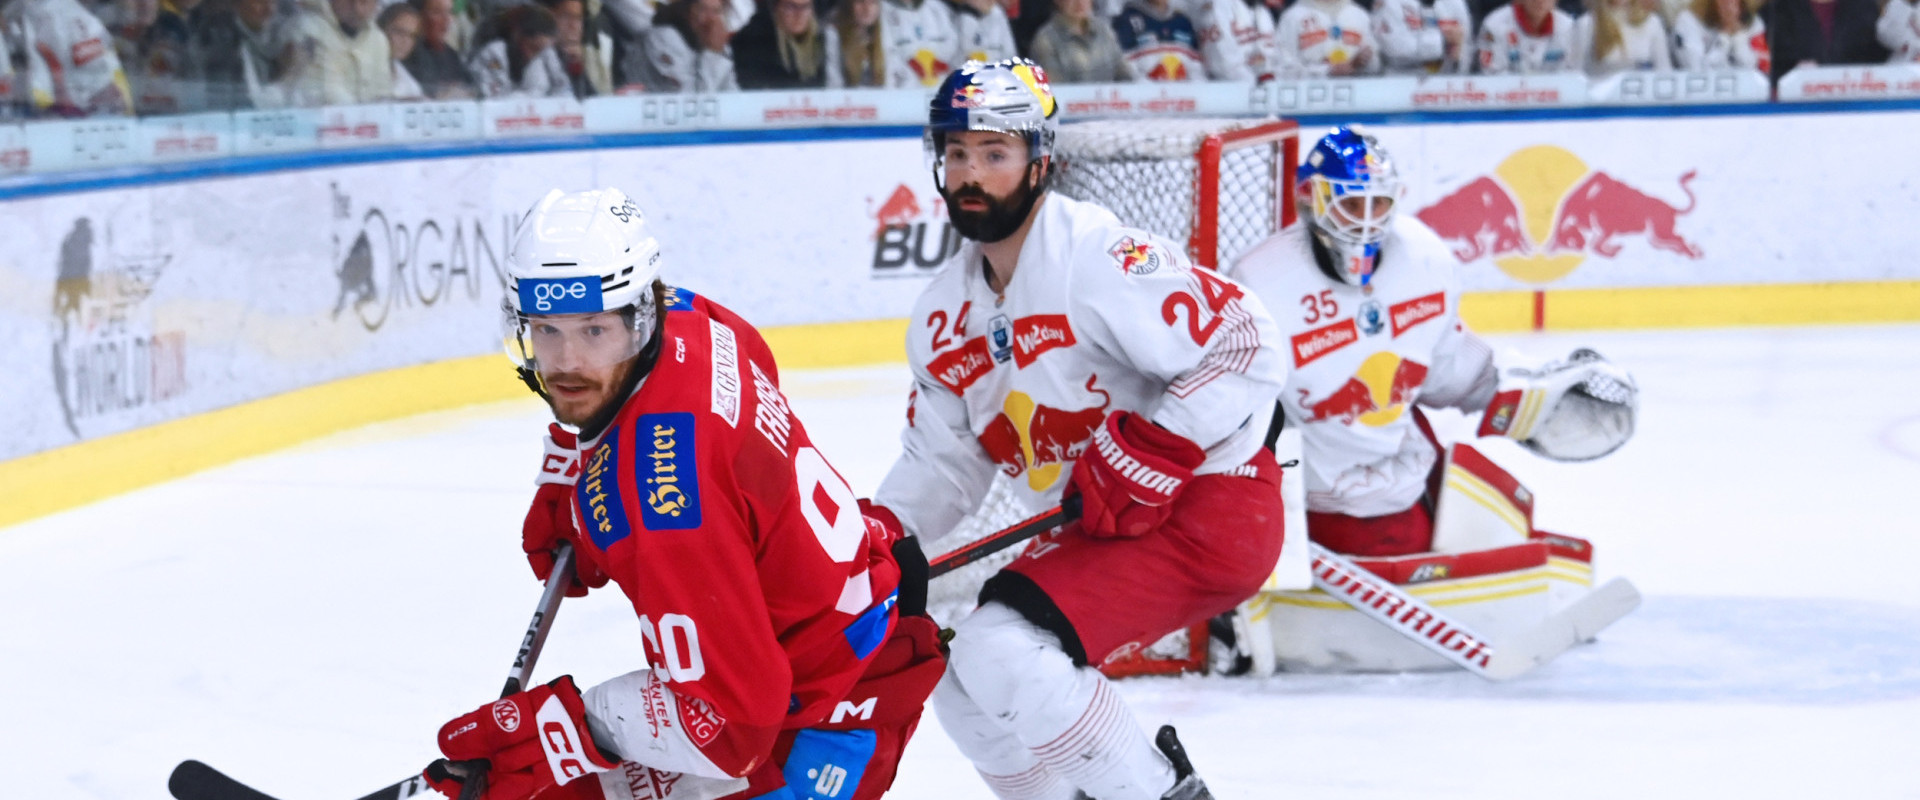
point(1348, 188)
point(580, 285)
point(1012, 97)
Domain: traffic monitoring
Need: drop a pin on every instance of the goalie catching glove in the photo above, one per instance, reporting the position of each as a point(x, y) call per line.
point(1578, 409)
point(550, 520)
point(1130, 474)
point(521, 745)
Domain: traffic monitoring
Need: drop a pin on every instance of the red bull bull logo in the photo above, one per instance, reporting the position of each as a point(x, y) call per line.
point(1376, 395)
point(1543, 211)
point(1134, 257)
point(1038, 440)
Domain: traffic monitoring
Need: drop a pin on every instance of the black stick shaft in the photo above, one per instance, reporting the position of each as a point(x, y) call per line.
point(1067, 511)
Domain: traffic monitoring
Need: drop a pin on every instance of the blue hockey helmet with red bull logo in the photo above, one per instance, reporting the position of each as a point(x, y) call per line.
point(1348, 188)
point(1009, 96)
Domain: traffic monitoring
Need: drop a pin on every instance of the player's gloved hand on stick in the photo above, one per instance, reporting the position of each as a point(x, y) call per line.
point(1130, 474)
point(529, 742)
point(1575, 409)
point(550, 520)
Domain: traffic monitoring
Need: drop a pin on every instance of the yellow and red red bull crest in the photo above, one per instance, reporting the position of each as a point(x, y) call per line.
point(1036, 80)
point(969, 96)
point(1134, 257)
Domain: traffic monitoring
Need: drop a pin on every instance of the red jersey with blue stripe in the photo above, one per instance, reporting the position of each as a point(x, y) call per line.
point(760, 589)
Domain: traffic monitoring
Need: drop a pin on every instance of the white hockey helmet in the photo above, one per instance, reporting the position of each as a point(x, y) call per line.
point(579, 255)
point(1010, 96)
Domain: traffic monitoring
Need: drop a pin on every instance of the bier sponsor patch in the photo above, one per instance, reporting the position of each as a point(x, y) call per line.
point(667, 462)
point(600, 497)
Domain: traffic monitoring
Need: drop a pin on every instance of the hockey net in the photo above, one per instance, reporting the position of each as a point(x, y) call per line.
point(1220, 185)
point(1217, 184)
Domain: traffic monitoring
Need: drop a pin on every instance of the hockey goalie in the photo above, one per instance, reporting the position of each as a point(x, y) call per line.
point(1368, 303)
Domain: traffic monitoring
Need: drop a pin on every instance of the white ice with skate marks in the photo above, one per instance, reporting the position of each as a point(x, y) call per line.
point(307, 620)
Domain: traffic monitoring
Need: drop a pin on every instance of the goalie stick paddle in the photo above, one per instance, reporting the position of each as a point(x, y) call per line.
point(193, 780)
point(1410, 617)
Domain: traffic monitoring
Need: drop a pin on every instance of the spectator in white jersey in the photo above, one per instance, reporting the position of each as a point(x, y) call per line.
point(686, 50)
point(520, 60)
point(985, 34)
point(1899, 30)
point(1326, 39)
point(67, 66)
point(1424, 36)
point(1159, 41)
point(1237, 39)
point(1076, 48)
point(863, 56)
point(1625, 35)
point(1721, 34)
point(342, 59)
point(922, 44)
point(1528, 37)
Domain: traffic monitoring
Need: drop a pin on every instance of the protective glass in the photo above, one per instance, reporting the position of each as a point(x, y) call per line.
point(558, 343)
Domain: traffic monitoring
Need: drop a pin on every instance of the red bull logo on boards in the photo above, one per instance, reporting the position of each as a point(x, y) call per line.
point(1376, 395)
point(1543, 211)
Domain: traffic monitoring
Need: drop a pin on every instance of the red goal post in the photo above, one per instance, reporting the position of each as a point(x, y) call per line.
point(1220, 185)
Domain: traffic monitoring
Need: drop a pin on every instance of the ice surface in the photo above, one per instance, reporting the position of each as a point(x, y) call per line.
point(306, 620)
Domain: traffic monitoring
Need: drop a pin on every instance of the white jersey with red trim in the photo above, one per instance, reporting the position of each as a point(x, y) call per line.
point(1236, 40)
point(921, 44)
point(70, 63)
point(1359, 357)
point(1097, 318)
point(1899, 30)
point(1507, 44)
point(1413, 35)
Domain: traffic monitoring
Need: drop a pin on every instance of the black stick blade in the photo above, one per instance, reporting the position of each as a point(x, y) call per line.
point(192, 780)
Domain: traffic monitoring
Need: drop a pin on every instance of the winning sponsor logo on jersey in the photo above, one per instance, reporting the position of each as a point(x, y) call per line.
point(1371, 319)
point(726, 374)
point(670, 464)
point(559, 295)
point(771, 415)
point(1002, 335)
point(958, 368)
point(1038, 334)
point(1420, 309)
point(700, 721)
point(87, 50)
point(1320, 341)
point(600, 498)
point(1135, 257)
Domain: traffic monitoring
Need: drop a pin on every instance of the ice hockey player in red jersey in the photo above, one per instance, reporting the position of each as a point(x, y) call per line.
point(777, 664)
point(1077, 356)
point(1372, 315)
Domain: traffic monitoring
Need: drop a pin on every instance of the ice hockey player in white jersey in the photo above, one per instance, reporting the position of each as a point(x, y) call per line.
point(985, 34)
point(1424, 36)
point(1087, 360)
point(1371, 314)
point(70, 68)
point(1236, 39)
point(1527, 37)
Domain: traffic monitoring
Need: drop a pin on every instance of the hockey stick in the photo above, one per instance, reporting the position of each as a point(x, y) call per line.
point(193, 780)
point(1067, 511)
point(1408, 616)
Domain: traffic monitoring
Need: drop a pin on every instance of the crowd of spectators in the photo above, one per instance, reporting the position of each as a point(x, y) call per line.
point(81, 57)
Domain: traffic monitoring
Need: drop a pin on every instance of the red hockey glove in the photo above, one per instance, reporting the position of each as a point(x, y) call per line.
point(550, 520)
point(530, 742)
point(1129, 475)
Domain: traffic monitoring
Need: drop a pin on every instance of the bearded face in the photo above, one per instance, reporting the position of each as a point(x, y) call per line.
point(982, 217)
point(989, 184)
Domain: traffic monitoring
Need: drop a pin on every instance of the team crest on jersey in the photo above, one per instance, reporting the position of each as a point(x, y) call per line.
point(1001, 332)
point(1135, 257)
point(1371, 320)
point(671, 471)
